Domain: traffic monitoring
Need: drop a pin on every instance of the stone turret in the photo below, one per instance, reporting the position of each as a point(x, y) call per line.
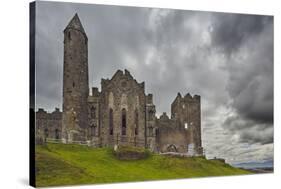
point(187, 111)
point(75, 82)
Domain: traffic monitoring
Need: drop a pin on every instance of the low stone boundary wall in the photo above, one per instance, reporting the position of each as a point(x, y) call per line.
point(175, 154)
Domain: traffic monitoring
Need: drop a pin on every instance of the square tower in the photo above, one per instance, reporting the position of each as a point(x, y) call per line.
point(187, 111)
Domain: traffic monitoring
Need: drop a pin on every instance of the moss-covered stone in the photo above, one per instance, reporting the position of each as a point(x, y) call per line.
point(131, 153)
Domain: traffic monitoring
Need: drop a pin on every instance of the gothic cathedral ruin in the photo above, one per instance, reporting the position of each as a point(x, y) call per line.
point(121, 113)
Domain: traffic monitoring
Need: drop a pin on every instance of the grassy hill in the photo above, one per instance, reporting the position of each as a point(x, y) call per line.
point(65, 164)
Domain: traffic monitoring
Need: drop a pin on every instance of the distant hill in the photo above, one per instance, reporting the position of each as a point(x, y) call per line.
point(254, 165)
point(65, 164)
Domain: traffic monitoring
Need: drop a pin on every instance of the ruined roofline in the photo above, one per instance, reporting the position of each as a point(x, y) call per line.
point(164, 116)
point(121, 73)
point(174, 124)
point(41, 110)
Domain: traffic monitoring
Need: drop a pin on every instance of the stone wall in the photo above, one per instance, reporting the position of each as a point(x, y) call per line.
point(171, 136)
point(48, 125)
point(94, 117)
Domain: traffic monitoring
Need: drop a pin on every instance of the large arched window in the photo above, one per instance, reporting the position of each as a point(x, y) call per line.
point(136, 122)
point(111, 121)
point(172, 148)
point(124, 121)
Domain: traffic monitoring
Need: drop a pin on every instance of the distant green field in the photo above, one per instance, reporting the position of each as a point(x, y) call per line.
point(67, 164)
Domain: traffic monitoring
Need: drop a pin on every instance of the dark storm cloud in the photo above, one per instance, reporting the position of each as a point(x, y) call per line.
point(225, 58)
point(249, 40)
point(230, 31)
point(249, 130)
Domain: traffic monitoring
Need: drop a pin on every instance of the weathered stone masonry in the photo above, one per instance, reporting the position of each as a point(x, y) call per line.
point(49, 125)
point(75, 82)
point(121, 113)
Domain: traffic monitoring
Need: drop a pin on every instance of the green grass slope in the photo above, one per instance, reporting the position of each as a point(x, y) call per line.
point(65, 164)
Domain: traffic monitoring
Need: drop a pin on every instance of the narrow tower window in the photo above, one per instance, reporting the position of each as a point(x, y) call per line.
point(93, 130)
point(111, 121)
point(150, 131)
point(124, 124)
point(93, 112)
point(156, 132)
point(136, 122)
point(69, 35)
point(150, 114)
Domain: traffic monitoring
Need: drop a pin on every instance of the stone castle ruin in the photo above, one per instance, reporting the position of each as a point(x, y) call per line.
point(121, 113)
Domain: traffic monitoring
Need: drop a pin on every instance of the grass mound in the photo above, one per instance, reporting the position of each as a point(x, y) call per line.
point(69, 164)
point(131, 153)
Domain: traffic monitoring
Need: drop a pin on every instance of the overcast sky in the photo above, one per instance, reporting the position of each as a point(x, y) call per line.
point(227, 59)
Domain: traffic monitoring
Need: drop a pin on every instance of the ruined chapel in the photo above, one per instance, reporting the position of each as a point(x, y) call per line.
point(120, 113)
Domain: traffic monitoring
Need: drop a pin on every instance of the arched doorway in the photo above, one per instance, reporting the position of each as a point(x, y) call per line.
point(172, 148)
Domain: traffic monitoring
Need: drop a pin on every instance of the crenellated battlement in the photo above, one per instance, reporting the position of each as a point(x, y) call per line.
point(186, 98)
point(43, 114)
point(192, 98)
point(189, 97)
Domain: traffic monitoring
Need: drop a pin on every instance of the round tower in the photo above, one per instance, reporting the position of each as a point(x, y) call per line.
point(75, 82)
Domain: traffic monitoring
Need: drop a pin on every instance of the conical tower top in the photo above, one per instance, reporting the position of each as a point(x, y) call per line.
point(75, 24)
